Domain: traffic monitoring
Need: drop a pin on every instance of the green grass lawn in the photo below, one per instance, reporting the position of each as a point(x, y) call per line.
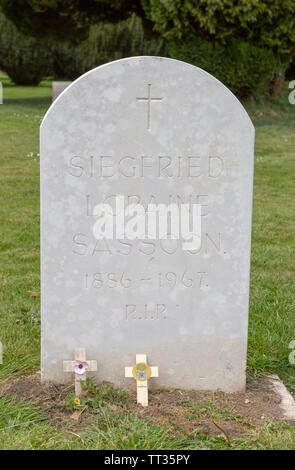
point(23, 424)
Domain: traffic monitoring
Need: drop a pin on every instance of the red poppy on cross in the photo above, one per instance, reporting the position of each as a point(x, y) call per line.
point(80, 366)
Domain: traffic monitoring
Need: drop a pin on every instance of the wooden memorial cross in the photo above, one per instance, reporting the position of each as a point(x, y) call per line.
point(80, 366)
point(141, 372)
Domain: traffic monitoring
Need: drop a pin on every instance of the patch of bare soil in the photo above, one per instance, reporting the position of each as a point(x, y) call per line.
point(48, 396)
point(213, 413)
point(233, 414)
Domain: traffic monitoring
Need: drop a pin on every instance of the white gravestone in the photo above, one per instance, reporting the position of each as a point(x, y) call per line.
point(153, 130)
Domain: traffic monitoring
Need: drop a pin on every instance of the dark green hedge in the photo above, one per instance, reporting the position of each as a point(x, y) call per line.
point(24, 59)
point(264, 23)
point(242, 67)
point(106, 42)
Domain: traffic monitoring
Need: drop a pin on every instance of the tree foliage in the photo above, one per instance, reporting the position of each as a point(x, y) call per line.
point(106, 42)
point(65, 19)
point(269, 23)
point(24, 59)
point(241, 66)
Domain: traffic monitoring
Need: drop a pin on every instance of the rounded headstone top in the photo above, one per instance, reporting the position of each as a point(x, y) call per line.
point(190, 83)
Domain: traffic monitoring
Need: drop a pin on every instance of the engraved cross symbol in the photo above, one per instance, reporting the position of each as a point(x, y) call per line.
point(149, 100)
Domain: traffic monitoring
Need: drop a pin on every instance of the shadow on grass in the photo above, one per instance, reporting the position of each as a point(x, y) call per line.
point(30, 96)
point(33, 102)
point(29, 100)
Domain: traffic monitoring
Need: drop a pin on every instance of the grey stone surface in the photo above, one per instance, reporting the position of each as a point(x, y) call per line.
point(196, 334)
point(58, 88)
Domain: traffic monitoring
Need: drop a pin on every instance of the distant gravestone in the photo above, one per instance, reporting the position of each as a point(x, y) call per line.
point(152, 130)
point(58, 88)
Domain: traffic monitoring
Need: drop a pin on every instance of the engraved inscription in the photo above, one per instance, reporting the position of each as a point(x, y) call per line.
point(159, 280)
point(84, 245)
point(147, 312)
point(145, 166)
